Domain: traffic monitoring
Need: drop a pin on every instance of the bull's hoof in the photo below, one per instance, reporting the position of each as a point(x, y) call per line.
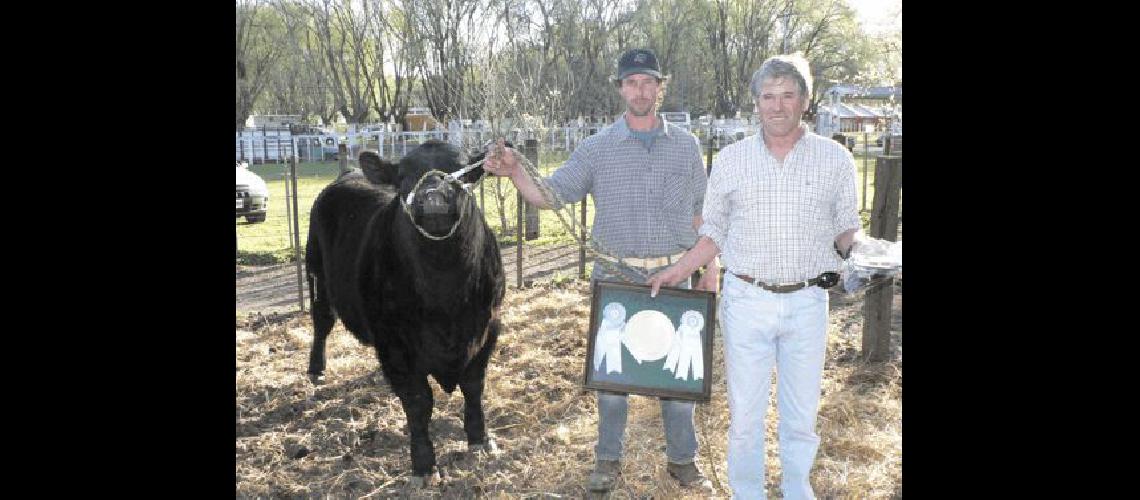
point(421, 482)
point(316, 378)
point(488, 446)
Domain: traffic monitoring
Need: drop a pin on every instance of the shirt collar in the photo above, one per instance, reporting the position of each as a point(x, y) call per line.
point(759, 136)
point(622, 128)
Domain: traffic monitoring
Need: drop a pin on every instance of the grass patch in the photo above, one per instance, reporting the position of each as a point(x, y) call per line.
point(270, 242)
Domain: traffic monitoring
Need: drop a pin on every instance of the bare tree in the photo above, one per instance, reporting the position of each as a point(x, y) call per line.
point(671, 30)
point(546, 59)
point(739, 33)
point(339, 33)
point(257, 54)
point(827, 34)
point(440, 50)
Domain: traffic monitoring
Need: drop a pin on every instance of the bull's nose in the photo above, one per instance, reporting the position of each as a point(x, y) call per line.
point(435, 202)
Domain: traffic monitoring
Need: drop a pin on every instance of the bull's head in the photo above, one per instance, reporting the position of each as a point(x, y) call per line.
point(433, 189)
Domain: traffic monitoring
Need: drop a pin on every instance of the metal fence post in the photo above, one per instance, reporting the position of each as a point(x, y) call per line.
point(864, 170)
point(288, 210)
point(519, 238)
point(582, 244)
point(533, 225)
point(297, 238)
point(709, 154)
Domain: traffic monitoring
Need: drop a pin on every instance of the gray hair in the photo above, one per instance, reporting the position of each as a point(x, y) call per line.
point(782, 66)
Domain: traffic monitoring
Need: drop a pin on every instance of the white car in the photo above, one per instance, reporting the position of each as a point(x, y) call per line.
point(679, 118)
point(252, 195)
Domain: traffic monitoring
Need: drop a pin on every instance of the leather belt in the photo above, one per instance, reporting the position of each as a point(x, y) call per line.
point(825, 280)
point(649, 263)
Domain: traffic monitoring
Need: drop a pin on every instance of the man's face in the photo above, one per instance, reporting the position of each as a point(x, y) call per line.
point(781, 106)
point(640, 93)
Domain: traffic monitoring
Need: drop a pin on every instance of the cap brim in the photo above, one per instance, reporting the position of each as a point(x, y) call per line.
point(644, 71)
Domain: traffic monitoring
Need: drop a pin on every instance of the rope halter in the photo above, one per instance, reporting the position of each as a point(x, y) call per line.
point(450, 178)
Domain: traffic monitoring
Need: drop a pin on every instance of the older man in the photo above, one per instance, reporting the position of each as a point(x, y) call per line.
point(780, 206)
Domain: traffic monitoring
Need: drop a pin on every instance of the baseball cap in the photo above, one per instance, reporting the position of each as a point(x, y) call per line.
point(637, 61)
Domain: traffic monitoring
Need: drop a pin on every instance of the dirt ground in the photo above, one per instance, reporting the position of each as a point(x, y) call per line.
point(347, 437)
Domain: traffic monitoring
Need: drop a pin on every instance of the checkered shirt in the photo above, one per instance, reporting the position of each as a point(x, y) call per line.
point(774, 222)
point(645, 200)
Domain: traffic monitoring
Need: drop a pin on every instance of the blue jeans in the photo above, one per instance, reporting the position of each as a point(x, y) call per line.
point(765, 330)
point(613, 408)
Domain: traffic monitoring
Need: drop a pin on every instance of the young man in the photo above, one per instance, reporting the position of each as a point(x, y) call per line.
point(648, 185)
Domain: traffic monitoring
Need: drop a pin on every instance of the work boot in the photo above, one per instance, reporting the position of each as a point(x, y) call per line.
point(689, 475)
point(604, 476)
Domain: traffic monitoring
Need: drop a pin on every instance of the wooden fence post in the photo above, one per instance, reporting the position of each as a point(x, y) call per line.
point(884, 225)
point(342, 156)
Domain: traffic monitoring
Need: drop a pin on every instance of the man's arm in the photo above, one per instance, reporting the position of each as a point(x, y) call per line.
point(846, 221)
point(527, 187)
point(571, 181)
point(711, 277)
point(502, 161)
point(701, 253)
point(844, 241)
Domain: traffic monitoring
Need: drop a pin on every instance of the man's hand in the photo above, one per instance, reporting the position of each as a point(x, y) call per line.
point(669, 277)
point(710, 280)
point(501, 160)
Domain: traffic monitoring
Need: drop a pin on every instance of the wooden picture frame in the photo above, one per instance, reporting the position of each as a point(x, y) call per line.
point(638, 344)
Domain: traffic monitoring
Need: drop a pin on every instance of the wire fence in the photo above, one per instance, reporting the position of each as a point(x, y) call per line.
point(534, 244)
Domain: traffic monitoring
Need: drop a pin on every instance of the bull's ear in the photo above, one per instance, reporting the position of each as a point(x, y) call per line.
point(377, 170)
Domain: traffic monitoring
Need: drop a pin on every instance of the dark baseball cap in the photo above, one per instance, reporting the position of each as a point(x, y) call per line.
point(637, 61)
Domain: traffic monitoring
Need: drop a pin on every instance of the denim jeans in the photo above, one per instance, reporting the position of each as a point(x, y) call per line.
point(765, 330)
point(613, 408)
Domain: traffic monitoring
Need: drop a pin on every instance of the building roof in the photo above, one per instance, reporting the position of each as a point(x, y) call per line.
point(844, 110)
point(855, 91)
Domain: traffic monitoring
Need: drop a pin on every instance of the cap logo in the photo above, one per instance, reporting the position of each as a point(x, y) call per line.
point(639, 58)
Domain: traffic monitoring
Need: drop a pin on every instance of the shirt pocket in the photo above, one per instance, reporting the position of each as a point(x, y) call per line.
point(676, 193)
point(817, 197)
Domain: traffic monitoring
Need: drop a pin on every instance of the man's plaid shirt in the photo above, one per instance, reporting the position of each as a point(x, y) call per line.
point(777, 222)
point(645, 200)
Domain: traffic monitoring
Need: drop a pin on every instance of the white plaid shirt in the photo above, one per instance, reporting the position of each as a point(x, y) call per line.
point(774, 222)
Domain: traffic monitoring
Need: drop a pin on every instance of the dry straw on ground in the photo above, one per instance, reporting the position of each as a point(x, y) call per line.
point(347, 438)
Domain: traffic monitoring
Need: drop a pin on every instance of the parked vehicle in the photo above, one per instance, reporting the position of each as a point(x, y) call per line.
point(252, 195)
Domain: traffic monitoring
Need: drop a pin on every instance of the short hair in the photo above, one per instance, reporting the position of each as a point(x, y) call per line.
point(783, 66)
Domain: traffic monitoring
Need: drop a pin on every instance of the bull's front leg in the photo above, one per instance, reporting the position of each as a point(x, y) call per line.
point(474, 423)
point(471, 384)
point(417, 400)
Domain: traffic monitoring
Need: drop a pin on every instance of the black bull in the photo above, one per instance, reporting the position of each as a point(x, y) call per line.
point(429, 305)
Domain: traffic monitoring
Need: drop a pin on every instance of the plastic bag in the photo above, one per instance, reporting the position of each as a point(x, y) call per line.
point(872, 261)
